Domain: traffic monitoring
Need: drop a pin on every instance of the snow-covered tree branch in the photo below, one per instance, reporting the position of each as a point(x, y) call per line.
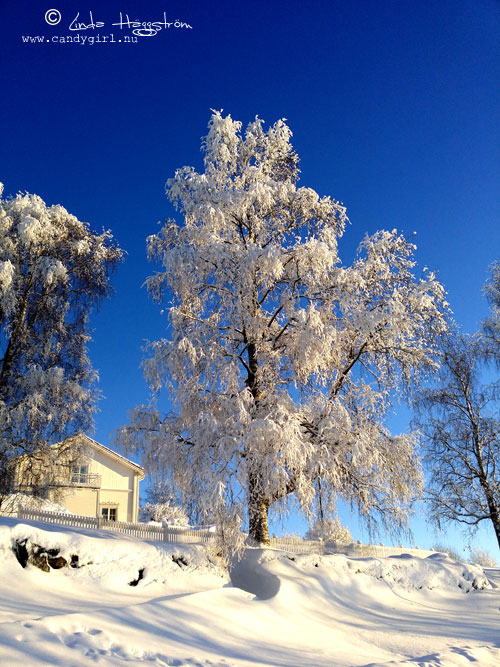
point(281, 360)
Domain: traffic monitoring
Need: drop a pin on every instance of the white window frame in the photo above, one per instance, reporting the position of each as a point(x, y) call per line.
point(80, 474)
point(106, 511)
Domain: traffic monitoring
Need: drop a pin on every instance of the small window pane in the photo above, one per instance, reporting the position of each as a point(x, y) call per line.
point(80, 474)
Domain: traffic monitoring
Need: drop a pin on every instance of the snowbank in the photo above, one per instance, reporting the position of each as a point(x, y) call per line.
point(406, 572)
point(256, 573)
point(108, 557)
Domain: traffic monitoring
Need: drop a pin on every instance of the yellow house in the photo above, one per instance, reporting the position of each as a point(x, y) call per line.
point(103, 484)
point(86, 478)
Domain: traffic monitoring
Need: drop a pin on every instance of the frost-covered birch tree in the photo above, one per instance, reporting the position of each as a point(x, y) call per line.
point(460, 429)
point(491, 326)
point(281, 361)
point(53, 271)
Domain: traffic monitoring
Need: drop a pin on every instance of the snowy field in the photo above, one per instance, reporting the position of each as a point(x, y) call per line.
point(302, 610)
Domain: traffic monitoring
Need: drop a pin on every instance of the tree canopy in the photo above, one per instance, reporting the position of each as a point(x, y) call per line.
point(281, 361)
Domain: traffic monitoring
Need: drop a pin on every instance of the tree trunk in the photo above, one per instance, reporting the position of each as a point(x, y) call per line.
point(257, 519)
point(484, 479)
point(321, 514)
point(492, 506)
point(258, 504)
point(496, 525)
point(258, 508)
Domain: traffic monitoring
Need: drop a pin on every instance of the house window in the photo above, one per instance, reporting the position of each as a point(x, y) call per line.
point(108, 513)
point(80, 475)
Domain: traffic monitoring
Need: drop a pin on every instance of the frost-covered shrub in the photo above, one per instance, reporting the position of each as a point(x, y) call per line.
point(482, 557)
point(164, 513)
point(291, 537)
point(11, 503)
point(329, 530)
point(446, 549)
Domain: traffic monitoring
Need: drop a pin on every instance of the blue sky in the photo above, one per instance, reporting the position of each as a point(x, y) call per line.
point(394, 107)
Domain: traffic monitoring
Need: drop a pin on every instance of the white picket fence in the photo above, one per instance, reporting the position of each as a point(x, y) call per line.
point(142, 531)
point(178, 535)
point(354, 550)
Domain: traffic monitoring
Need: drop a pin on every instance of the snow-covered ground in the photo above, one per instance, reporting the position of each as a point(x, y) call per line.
point(310, 610)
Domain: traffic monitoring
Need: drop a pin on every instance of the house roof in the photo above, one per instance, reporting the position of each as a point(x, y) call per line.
point(114, 455)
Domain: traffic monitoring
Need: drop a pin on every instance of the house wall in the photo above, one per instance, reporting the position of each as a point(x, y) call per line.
point(79, 501)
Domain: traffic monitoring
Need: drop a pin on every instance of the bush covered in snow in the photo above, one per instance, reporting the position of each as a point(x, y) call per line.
point(446, 549)
point(163, 513)
point(482, 557)
point(12, 502)
point(329, 530)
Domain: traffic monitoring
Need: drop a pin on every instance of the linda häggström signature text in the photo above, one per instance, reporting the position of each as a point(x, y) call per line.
point(139, 28)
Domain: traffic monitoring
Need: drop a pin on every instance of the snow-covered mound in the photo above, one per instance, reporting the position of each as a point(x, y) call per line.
point(408, 573)
point(258, 571)
point(314, 611)
point(117, 561)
